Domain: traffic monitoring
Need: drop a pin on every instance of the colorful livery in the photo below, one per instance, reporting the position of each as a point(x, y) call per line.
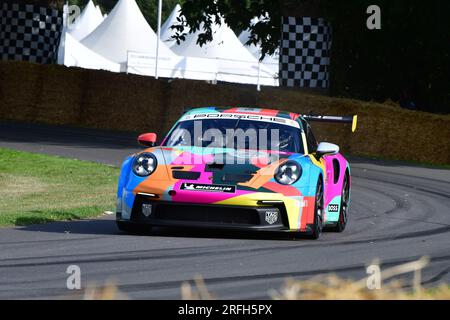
point(237, 168)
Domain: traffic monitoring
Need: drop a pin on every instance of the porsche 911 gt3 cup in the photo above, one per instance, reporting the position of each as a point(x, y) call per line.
point(237, 168)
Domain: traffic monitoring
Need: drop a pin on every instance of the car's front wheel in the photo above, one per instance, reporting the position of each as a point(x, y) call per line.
point(318, 212)
point(133, 228)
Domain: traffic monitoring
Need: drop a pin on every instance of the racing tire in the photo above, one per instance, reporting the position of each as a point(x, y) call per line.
point(343, 213)
point(318, 212)
point(133, 228)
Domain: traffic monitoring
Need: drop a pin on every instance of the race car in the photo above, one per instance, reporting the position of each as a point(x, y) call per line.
point(239, 169)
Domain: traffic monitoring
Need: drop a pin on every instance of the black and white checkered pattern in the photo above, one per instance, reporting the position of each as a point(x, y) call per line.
point(305, 52)
point(29, 32)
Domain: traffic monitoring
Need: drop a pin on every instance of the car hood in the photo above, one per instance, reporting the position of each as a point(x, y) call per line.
point(215, 165)
point(181, 169)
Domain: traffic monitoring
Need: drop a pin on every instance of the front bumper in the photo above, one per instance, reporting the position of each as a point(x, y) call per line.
point(212, 216)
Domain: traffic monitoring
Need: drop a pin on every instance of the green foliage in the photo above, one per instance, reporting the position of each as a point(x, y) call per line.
point(238, 15)
point(409, 56)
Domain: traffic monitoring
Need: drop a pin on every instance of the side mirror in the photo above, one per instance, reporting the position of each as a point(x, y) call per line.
point(147, 139)
point(326, 148)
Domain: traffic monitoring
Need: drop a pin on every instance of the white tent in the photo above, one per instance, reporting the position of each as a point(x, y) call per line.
point(125, 30)
point(270, 61)
point(235, 63)
point(89, 19)
point(77, 55)
point(166, 31)
point(124, 42)
point(99, 12)
point(180, 67)
point(72, 53)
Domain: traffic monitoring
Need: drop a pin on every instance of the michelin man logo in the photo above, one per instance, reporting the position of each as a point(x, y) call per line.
point(189, 186)
point(271, 217)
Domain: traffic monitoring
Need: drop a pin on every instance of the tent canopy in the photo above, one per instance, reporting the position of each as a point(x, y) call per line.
point(99, 12)
point(166, 31)
point(77, 55)
point(235, 62)
point(123, 30)
point(225, 45)
point(89, 19)
point(270, 61)
point(125, 42)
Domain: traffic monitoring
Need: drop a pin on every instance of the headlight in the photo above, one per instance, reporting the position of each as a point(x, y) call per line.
point(144, 164)
point(288, 173)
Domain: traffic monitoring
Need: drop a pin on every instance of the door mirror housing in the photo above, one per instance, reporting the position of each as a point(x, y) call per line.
point(147, 139)
point(327, 149)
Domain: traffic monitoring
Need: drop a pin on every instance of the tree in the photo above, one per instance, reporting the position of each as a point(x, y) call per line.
point(410, 53)
point(237, 14)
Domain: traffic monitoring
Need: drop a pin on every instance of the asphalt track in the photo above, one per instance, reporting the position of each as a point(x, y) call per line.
point(399, 213)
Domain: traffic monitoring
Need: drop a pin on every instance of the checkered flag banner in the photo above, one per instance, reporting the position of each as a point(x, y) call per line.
point(305, 52)
point(29, 32)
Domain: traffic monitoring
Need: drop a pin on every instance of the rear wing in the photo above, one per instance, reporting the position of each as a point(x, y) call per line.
point(333, 119)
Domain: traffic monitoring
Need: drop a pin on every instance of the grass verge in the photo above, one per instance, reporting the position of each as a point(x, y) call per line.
point(38, 188)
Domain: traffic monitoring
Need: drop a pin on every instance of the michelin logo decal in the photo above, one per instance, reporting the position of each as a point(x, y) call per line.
point(208, 187)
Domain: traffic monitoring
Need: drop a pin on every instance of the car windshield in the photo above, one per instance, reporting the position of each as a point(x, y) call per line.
point(237, 134)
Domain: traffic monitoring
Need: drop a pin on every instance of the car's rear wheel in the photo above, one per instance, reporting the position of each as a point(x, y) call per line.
point(133, 228)
point(345, 200)
point(318, 212)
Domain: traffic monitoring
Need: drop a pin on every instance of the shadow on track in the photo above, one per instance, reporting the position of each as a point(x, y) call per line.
point(108, 227)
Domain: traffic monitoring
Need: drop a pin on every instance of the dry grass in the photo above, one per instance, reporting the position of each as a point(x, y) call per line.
point(332, 287)
point(196, 292)
point(107, 292)
point(326, 287)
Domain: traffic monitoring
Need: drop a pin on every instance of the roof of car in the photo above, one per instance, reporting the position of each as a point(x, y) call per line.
point(245, 110)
